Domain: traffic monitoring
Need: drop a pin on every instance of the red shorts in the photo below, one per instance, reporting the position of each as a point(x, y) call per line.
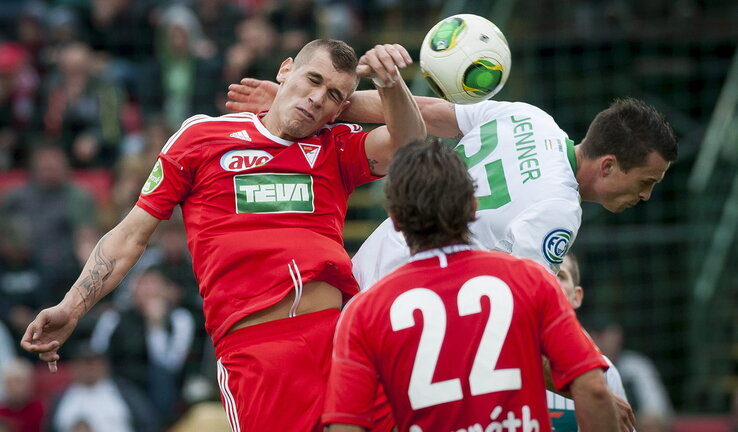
point(273, 376)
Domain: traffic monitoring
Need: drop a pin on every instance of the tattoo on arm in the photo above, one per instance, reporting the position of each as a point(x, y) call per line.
point(372, 163)
point(91, 286)
point(452, 107)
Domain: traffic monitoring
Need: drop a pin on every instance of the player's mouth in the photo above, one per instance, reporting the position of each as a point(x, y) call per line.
point(305, 113)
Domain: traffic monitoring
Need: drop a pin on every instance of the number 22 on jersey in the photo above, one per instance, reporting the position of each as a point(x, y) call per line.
point(483, 377)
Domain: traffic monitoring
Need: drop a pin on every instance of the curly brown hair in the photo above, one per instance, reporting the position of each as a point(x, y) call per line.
point(430, 196)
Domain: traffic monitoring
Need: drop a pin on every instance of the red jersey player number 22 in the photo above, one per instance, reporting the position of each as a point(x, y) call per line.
point(483, 378)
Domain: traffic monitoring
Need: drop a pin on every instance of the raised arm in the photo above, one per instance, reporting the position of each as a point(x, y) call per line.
point(254, 95)
point(115, 254)
point(403, 122)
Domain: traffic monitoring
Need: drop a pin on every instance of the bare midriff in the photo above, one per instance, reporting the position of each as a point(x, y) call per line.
point(316, 296)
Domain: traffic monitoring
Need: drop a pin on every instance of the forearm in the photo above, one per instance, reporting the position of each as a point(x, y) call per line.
point(401, 114)
point(595, 408)
point(111, 259)
point(105, 268)
point(439, 117)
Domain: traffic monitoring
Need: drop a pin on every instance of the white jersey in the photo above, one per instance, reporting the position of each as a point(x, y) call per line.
point(528, 200)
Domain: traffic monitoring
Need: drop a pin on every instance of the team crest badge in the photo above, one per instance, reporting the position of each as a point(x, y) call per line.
point(556, 244)
point(310, 151)
point(155, 178)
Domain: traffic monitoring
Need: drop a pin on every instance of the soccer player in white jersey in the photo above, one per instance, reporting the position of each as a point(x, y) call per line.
point(530, 176)
point(561, 409)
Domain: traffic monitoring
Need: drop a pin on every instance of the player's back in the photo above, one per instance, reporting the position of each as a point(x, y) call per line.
point(524, 167)
point(528, 202)
point(458, 347)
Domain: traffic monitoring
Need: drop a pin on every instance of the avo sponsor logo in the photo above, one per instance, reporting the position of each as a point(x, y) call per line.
point(241, 160)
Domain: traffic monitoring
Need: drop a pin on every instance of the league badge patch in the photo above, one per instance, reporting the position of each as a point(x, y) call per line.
point(556, 244)
point(155, 178)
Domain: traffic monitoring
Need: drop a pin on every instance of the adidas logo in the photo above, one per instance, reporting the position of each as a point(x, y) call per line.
point(242, 135)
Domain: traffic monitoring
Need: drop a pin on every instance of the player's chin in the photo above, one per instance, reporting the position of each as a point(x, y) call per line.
point(617, 207)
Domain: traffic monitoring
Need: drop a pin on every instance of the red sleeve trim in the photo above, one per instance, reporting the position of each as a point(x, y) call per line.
point(563, 382)
point(151, 209)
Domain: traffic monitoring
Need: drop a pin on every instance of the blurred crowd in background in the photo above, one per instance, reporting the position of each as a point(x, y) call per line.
point(90, 90)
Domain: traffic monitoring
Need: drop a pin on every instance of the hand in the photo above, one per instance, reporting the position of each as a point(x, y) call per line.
point(625, 414)
point(382, 62)
point(252, 95)
point(46, 334)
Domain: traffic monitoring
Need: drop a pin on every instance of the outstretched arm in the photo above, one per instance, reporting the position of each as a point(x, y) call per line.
point(253, 95)
point(438, 114)
point(401, 114)
point(108, 263)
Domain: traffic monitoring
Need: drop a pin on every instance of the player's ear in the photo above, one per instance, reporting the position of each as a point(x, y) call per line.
point(578, 297)
point(608, 164)
point(284, 69)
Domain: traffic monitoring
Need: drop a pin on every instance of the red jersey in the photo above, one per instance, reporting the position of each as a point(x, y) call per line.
point(259, 210)
point(456, 339)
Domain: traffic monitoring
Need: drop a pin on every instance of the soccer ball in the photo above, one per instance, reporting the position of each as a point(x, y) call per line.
point(465, 59)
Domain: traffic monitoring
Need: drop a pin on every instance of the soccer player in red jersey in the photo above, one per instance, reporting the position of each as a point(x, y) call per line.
point(456, 335)
point(263, 198)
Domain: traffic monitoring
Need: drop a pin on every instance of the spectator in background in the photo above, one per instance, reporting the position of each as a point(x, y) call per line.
point(296, 22)
point(252, 54)
point(42, 217)
point(219, 20)
point(149, 343)
point(21, 409)
point(147, 143)
point(641, 379)
point(119, 28)
point(55, 210)
point(82, 109)
point(182, 79)
point(31, 31)
point(22, 290)
point(19, 83)
point(8, 354)
point(99, 401)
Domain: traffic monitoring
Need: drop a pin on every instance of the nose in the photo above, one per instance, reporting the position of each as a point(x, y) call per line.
point(317, 96)
point(645, 195)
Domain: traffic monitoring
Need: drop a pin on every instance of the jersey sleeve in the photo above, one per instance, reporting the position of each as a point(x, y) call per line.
point(471, 116)
point(544, 232)
point(172, 176)
point(353, 380)
point(567, 346)
point(355, 170)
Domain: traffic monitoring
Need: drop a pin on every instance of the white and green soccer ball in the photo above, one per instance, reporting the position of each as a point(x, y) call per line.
point(465, 59)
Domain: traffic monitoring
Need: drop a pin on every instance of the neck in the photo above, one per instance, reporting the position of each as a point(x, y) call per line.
point(451, 245)
point(269, 120)
point(584, 175)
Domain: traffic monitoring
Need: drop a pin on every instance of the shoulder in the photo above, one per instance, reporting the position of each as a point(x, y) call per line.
point(340, 129)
